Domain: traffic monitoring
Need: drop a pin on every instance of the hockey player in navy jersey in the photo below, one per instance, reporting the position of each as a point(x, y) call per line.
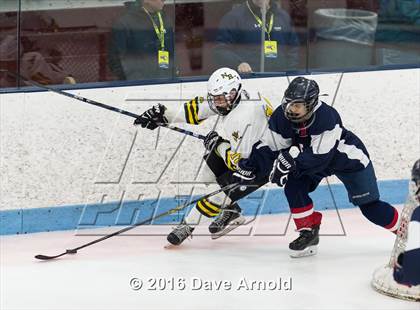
point(401, 276)
point(242, 122)
point(326, 148)
point(407, 270)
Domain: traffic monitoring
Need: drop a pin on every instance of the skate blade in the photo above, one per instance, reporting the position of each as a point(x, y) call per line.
point(309, 251)
point(235, 224)
point(170, 246)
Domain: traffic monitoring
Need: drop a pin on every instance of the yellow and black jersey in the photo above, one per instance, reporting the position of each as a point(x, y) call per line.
point(241, 128)
point(244, 126)
point(191, 110)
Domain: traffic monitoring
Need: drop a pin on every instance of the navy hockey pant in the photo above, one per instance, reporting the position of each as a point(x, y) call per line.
point(362, 190)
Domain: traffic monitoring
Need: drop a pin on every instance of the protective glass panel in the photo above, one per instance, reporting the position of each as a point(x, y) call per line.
point(363, 34)
point(142, 41)
point(8, 41)
point(66, 42)
point(398, 33)
point(230, 34)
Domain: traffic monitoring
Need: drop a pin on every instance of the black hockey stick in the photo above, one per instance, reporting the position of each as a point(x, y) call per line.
point(98, 104)
point(178, 208)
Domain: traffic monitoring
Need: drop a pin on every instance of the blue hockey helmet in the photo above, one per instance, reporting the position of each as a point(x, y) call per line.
point(300, 91)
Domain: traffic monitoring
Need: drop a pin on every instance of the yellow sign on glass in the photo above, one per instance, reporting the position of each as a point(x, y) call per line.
point(270, 49)
point(163, 59)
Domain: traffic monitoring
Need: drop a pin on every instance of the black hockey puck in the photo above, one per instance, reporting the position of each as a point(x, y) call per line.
point(71, 251)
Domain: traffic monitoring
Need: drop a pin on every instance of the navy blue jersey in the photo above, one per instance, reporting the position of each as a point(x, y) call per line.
point(409, 273)
point(326, 147)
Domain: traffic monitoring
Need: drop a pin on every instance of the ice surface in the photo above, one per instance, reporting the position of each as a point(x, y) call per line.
point(98, 277)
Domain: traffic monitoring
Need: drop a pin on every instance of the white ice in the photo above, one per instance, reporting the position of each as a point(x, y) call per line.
point(98, 276)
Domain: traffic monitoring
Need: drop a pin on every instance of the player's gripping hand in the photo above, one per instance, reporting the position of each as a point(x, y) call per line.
point(283, 165)
point(212, 140)
point(152, 117)
point(244, 173)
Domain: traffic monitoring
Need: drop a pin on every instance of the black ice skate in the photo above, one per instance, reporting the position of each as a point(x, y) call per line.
point(229, 219)
point(306, 244)
point(179, 234)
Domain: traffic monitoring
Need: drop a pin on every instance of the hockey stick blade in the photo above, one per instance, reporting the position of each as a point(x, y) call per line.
point(46, 257)
point(171, 211)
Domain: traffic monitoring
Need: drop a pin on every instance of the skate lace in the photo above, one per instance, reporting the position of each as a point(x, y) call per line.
point(182, 231)
point(224, 217)
point(303, 234)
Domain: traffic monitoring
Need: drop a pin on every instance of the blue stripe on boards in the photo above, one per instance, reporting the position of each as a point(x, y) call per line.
point(270, 201)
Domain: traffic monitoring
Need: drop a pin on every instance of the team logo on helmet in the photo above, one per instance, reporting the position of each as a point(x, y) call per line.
point(227, 76)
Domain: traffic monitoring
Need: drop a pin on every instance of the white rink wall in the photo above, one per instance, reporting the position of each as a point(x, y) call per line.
point(59, 151)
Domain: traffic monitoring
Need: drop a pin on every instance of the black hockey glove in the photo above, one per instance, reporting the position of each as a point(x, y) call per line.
point(212, 140)
point(244, 173)
point(152, 118)
point(283, 165)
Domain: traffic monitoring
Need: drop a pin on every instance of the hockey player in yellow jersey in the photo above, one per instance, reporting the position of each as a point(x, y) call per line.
point(242, 122)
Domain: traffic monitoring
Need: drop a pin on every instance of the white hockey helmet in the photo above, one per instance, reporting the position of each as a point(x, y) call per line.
point(224, 82)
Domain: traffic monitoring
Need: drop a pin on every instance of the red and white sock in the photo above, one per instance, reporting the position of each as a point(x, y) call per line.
point(305, 217)
point(395, 223)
